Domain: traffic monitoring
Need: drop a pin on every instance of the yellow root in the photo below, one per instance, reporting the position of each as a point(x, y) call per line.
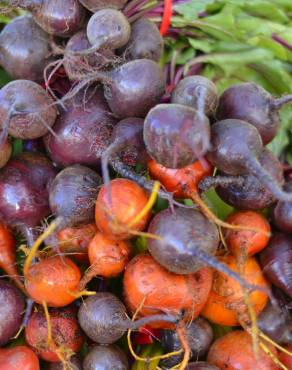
point(273, 357)
point(269, 340)
point(36, 246)
point(148, 206)
point(181, 331)
point(49, 324)
point(82, 294)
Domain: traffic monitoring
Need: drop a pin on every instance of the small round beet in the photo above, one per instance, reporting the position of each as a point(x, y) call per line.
point(276, 262)
point(108, 28)
point(82, 131)
point(251, 103)
point(145, 41)
point(184, 233)
point(196, 92)
point(105, 357)
point(73, 193)
point(283, 212)
point(199, 335)
point(250, 193)
point(94, 5)
point(176, 135)
point(11, 311)
point(24, 49)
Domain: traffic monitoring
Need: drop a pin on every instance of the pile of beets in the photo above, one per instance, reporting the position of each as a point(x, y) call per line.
point(108, 245)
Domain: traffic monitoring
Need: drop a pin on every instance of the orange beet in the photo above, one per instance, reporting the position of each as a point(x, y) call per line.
point(234, 351)
point(181, 181)
point(75, 240)
point(109, 256)
point(164, 291)
point(225, 304)
point(128, 200)
point(244, 242)
point(54, 281)
point(18, 358)
point(66, 333)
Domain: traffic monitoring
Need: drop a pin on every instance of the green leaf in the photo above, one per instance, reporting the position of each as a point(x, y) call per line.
point(151, 350)
point(281, 141)
point(202, 45)
point(266, 9)
point(191, 9)
point(219, 208)
point(4, 77)
point(266, 42)
point(17, 146)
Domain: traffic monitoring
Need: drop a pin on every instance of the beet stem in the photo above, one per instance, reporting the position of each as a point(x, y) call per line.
point(259, 172)
point(223, 181)
point(278, 103)
point(5, 126)
point(150, 319)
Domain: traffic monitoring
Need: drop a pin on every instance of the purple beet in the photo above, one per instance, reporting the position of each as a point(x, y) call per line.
point(105, 357)
point(24, 49)
point(11, 311)
point(283, 212)
point(94, 5)
point(82, 132)
point(251, 103)
point(54, 16)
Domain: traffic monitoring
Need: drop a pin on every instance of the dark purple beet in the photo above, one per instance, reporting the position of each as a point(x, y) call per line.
point(26, 110)
point(199, 335)
point(276, 262)
point(197, 92)
point(94, 5)
point(73, 194)
point(76, 66)
point(104, 319)
point(145, 41)
point(276, 323)
point(56, 17)
point(11, 311)
point(283, 212)
point(246, 191)
point(83, 131)
point(251, 103)
point(130, 89)
point(183, 232)
point(176, 135)
point(24, 185)
point(75, 363)
point(24, 49)
point(201, 366)
point(236, 148)
point(105, 357)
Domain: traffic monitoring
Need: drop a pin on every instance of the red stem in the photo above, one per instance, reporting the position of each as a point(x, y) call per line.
point(166, 19)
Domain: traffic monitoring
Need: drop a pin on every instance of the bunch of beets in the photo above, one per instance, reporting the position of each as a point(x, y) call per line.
point(105, 268)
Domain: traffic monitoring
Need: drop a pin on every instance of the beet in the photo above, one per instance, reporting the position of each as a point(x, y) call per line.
point(199, 335)
point(236, 149)
point(131, 89)
point(176, 135)
point(24, 185)
point(105, 357)
point(251, 103)
point(184, 232)
point(75, 363)
point(76, 67)
point(94, 5)
point(283, 212)
point(246, 191)
point(104, 319)
point(201, 366)
point(55, 18)
point(72, 195)
point(24, 49)
point(196, 92)
point(82, 131)
point(276, 324)
point(26, 110)
point(11, 311)
point(276, 262)
point(145, 41)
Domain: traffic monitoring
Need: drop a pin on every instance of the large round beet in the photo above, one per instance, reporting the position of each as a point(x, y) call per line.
point(105, 357)
point(184, 233)
point(11, 311)
point(24, 49)
point(83, 131)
